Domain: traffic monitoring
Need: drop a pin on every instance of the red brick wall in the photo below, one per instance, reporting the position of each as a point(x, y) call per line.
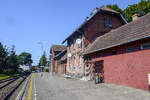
point(130, 69)
point(96, 26)
point(53, 61)
point(61, 68)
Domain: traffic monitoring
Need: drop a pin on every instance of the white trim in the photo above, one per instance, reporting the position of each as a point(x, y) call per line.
point(149, 79)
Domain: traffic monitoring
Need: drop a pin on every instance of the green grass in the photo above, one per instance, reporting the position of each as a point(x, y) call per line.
point(3, 76)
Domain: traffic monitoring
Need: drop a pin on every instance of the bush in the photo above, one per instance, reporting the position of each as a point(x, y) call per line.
point(46, 69)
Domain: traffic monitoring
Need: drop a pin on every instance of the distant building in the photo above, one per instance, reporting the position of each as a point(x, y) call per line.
point(61, 62)
point(24, 67)
point(54, 50)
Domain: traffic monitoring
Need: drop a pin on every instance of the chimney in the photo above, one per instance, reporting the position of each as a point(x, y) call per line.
point(135, 17)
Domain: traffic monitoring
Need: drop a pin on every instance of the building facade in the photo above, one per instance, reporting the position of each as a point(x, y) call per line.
point(122, 55)
point(54, 50)
point(102, 21)
point(61, 62)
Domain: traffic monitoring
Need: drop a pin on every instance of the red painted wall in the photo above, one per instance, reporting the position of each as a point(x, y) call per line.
point(130, 69)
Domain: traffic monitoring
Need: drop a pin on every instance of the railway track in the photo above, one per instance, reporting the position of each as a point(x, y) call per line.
point(8, 86)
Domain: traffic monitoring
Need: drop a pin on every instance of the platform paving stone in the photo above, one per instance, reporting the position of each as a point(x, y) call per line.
point(58, 88)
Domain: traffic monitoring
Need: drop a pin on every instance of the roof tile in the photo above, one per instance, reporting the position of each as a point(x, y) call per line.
point(127, 33)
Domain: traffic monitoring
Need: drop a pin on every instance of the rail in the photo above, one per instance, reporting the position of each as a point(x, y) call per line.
point(9, 85)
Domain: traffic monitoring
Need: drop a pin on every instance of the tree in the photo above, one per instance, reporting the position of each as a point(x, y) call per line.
point(3, 57)
point(115, 7)
point(25, 59)
point(142, 8)
point(12, 61)
point(43, 60)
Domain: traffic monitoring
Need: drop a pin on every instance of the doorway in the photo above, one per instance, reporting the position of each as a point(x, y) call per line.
point(99, 69)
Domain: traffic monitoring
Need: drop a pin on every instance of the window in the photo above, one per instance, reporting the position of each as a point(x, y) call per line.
point(145, 46)
point(114, 52)
point(104, 21)
point(89, 58)
point(110, 22)
point(102, 33)
point(130, 49)
point(80, 60)
point(100, 55)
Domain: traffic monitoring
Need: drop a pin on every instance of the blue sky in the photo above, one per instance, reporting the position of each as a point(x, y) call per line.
point(24, 23)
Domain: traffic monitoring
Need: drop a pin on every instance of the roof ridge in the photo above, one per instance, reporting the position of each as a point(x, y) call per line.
point(108, 9)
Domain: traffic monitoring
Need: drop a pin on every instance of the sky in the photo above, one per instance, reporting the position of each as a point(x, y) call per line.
point(26, 23)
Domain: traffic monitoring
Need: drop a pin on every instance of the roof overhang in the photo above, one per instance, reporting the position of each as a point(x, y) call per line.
point(60, 53)
point(108, 47)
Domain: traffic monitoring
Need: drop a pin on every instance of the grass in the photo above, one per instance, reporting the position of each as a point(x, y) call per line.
point(3, 76)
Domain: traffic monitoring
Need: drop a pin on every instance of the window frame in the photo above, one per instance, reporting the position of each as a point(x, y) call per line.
point(142, 46)
point(131, 49)
point(112, 52)
point(110, 22)
point(104, 21)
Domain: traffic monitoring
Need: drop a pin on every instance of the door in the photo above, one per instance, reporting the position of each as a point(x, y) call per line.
point(99, 68)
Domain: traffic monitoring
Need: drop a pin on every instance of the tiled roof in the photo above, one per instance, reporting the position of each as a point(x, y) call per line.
point(61, 53)
point(58, 47)
point(104, 9)
point(130, 32)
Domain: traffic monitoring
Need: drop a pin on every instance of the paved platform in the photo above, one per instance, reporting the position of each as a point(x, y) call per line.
point(49, 87)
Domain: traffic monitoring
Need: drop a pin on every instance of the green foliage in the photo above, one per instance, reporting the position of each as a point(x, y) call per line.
point(3, 57)
point(43, 60)
point(33, 68)
point(9, 61)
point(3, 76)
point(142, 8)
point(46, 69)
point(115, 7)
point(25, 59)
point(12, 61)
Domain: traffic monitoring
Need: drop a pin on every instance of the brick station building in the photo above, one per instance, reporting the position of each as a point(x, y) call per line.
point(61, 62)
point(122, 56)
point(55, 50)
point(99, 23)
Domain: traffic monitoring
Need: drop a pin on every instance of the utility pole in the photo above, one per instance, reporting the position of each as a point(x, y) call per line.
point(42, 46)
